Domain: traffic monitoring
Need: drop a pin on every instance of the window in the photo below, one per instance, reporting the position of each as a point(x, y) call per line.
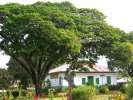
point(109, 80)
point(102, 79)
point(83, 81)
point(60, 81)
point(97, 80)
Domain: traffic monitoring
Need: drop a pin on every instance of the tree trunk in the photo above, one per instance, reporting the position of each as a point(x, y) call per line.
point(37, 90)
point(69, 95)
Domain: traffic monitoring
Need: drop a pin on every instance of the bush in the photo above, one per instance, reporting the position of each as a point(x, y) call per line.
point(104, 89)
point(129, 91)
point(114, 87)
point(57, 90)
point(123, 89)
point(65, 89)
point(15, 94)
point(83, 93)
point(44, 91)
point(24, 92)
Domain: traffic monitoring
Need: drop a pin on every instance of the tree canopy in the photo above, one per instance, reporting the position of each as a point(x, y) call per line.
point(42, 35)
point(121, 57)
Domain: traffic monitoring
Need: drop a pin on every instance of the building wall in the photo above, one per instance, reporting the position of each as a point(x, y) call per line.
point(55, 81)
point(78, 79)
point(102, 78)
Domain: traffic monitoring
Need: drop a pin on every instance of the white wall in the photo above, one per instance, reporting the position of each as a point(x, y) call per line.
point(79, 76)
point(102, 80)
point(55, 82)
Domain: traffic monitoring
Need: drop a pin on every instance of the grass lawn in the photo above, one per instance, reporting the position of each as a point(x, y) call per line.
point(97, 97)
point(101, 97)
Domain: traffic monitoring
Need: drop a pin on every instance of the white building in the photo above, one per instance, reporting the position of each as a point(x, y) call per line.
point(95, 76)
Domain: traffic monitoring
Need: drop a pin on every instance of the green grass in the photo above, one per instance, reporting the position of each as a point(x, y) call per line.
point(101, 97)
point(97, 97)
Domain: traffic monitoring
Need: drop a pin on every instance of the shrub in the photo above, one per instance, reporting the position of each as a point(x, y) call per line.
point(23, 93)
point(83, 93)
point(104, 89)
point(58, 90)
point(129, 91)
point(65, 89)
point(15, 94)
point(123, 89)
point(45, 91)
point(114, 87)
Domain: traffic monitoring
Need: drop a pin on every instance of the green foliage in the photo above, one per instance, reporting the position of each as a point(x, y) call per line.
point(5, 79)
point(10, 96)
point(3, 83)
point(23, 92)
point(129, 91)
point(115, 87)
point(83, 93)
point(45, 90)
point(126, 52)
point(104, 89)
point(15, 94)
point(44, 35)
point(122, 58)
point(130, 37)
point(123, 89)
point(18, 73)
point(51, 94)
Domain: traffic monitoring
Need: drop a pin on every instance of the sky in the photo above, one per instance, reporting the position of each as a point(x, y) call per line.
point(118, 12)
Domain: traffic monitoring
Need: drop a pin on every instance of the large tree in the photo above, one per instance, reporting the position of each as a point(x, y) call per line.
point(43, 35)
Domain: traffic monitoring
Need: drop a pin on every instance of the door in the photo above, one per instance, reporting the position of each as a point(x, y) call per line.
point(90, 80)
point(109, 80)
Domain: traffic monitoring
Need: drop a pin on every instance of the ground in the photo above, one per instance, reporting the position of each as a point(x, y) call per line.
point(98, 97)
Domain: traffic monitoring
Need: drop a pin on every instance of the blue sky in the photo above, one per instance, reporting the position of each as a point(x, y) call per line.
point(119, 14)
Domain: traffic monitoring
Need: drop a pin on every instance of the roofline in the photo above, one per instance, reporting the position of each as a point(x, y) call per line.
point(84, 72)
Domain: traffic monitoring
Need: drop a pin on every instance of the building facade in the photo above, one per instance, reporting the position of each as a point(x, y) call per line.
point(96, 76)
